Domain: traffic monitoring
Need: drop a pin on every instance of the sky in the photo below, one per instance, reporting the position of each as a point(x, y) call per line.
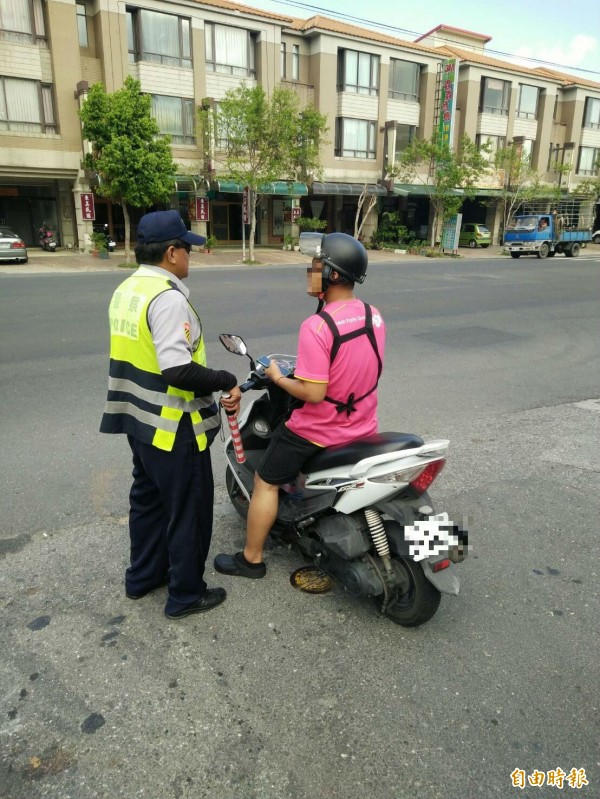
point(566, 35)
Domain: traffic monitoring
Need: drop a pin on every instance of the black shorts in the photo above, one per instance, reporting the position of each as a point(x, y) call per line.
point(285, 456)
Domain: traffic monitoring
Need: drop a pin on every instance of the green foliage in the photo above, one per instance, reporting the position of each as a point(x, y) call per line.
point(521, 182)
point(211, 242)
point(390, 232)
point(133, 163)
point(310, 223)
point(450, 170)
point(99, 242)
point(255, 140)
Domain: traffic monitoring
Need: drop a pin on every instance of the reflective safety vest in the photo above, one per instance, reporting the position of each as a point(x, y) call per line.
point(140, 401)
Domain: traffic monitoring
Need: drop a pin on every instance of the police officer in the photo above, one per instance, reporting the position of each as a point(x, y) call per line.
point(160, 396)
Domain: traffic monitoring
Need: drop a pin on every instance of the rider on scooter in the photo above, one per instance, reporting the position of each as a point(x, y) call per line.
point(340, 358)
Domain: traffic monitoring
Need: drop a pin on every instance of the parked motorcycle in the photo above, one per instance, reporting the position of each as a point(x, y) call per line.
point(360, 512)
point(111, 244)
point(47, 238)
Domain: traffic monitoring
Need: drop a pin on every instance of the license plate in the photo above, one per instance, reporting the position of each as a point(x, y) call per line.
point(4, 245)
point(440, 517)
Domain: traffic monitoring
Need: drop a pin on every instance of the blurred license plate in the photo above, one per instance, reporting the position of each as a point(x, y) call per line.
point(4, 245)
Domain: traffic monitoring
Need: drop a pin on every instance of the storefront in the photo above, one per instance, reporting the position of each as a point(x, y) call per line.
point(24, 207)
point(273, 212)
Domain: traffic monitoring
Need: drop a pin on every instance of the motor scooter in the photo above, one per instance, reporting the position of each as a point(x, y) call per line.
point(47, 239)
point(360, 512)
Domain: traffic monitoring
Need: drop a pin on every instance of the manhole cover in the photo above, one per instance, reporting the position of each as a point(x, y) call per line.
point(311, 580)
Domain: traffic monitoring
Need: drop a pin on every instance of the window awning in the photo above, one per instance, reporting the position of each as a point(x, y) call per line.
point(280, 188)
point(422, 189)
point(189, 183)
point(352, 189)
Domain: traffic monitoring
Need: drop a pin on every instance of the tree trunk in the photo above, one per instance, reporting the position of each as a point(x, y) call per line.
point(127, 231)
point(361, 201)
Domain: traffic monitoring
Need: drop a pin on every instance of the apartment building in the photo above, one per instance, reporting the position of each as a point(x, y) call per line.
point(377, 91)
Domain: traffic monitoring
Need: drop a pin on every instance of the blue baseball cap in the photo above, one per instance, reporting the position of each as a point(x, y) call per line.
point(164, 226)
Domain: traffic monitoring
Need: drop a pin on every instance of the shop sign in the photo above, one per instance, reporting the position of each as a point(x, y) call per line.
point(296, 213)
point(447, 107)
point(246, 206)
point(88, 210)
point(202, 209)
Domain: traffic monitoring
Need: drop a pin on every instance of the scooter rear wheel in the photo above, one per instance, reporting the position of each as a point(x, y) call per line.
point(236, 495)
point(419, 603)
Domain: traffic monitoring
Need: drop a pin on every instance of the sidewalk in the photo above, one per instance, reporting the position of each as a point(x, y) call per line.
point(69, 261)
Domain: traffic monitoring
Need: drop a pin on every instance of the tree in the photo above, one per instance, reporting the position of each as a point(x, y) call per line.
point(256, 140)
point(371, 200)
point(450, 170)
point(133, 164)
point(521, 182)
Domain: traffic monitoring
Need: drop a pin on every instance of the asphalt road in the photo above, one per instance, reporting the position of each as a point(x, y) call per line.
point(278, 694)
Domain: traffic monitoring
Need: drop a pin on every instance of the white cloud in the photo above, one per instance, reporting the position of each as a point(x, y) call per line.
point(568, 54)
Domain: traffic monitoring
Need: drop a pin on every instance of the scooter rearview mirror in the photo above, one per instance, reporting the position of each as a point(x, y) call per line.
point(236, 345)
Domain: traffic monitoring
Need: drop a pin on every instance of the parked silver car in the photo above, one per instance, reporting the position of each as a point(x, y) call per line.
point(12, 246)
point(596, 237)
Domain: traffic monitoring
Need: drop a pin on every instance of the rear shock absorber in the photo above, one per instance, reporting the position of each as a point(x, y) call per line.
point(379, 537)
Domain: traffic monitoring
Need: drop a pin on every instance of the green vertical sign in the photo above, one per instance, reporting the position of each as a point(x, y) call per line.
point(447, 102)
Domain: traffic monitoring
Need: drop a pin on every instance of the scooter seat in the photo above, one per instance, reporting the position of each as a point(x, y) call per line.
point(378, 444)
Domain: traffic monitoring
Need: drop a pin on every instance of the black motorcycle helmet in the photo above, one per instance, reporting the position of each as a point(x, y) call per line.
point(346, 255)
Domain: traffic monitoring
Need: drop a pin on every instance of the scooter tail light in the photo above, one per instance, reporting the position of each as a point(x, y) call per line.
point(426, 477)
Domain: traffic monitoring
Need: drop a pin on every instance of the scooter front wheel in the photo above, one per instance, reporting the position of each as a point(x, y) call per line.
point(236, 495)
point(419, 603)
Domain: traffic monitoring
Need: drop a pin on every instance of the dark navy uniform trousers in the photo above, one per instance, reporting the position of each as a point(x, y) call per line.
point(170, 518)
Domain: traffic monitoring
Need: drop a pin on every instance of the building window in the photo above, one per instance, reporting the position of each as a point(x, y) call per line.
point(495, 143)
point(527, 150)
point(175, 117)
point(589, 161)
point(355, 138)
point(494, 96)
point(26, 106)
point(528, 102)
point(404, 80)
point(283, 60)
point(162, 38)
point(358, 72)
point(295, 62)
point(404, 136)
point(230, 50)
point(81, 25)
point(22, 21)
point(591, 117)
point(221, 133)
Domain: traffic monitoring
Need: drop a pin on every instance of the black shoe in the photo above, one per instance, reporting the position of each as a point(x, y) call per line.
point(210, 600)
point(163, 582)
point(237, 566)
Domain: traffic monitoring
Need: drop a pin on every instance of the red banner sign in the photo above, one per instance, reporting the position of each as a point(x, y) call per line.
point(246, 206)
point(88, 209)
point(296, 213)
point(202, 209)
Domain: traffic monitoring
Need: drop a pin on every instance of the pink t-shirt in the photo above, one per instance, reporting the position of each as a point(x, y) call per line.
point(354, 370)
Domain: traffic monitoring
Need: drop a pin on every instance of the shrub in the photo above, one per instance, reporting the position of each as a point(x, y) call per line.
point(308, 223)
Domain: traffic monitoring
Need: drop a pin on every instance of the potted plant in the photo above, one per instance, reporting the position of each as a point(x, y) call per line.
point(100, 245)
point(288, 241)
point(209, 244)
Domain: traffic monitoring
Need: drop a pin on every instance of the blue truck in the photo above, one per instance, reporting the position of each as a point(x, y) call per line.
point(546, 227)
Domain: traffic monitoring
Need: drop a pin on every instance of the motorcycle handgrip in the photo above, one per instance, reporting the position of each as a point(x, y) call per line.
point(236, 436)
